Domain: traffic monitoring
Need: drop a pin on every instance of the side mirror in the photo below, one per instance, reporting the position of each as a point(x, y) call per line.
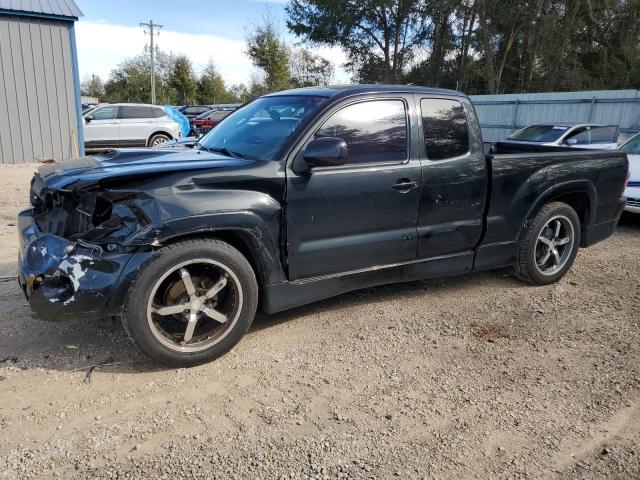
point(88, 118)
point(326, 152)
point(571, 141)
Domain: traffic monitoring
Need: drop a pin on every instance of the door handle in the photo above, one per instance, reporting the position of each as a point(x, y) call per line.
point(404, 185)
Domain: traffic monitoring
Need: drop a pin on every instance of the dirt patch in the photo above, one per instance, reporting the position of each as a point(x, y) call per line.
point(477, 376)
point(489, 333)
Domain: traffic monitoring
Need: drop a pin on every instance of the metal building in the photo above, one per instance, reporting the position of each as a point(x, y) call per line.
point(40, 113)
point(501, 115)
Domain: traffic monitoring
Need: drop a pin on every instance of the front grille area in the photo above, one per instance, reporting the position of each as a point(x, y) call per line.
point(65, 214)
point(633, 202)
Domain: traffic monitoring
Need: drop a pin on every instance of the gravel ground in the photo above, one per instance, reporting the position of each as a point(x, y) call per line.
point(469, 377)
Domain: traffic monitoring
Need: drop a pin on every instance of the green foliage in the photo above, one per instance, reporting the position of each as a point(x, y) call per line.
point(131, 80)
point(176, 82)
point(308, 69)
point(480, 46)
point(383, 33)
point(92, 87)
point(270, 53)
point(182, 80)
point(211, 87)
point(239, 93)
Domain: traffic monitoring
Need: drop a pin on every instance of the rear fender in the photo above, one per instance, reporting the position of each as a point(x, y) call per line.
point(560, 189)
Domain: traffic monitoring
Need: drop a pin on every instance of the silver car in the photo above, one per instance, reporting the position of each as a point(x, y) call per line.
point(632, 191)
point(577, 135)
point(128, 125)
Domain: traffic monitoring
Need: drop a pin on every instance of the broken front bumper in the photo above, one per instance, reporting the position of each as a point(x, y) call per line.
point(65, 279)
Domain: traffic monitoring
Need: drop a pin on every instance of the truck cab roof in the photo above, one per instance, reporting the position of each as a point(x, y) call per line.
point(348, 90)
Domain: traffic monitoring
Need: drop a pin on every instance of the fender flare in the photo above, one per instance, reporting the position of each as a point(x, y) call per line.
point(253, 229)
point(564, 188)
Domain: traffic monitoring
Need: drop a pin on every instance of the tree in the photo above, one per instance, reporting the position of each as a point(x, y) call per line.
point(131, 80)
point(309, 70)
point(385, 33)
point(211, 87)
point(183, 80)
point(271, 54)
point(92, 87)
point(239, 93)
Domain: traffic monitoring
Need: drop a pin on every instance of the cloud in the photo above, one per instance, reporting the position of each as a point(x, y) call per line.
point(102, 46)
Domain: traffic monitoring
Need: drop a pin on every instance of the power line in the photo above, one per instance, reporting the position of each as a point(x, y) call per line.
point(152, 27)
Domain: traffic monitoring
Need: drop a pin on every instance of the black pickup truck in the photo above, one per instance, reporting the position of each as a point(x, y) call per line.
point(295, 197)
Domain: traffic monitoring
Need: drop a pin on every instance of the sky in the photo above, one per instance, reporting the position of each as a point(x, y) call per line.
point(214, 30)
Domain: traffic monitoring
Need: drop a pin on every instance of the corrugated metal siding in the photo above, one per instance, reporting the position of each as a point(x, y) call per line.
point(37, 96)
point(501, 115)
point(63, 8)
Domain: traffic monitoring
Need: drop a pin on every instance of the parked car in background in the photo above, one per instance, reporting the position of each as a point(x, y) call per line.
point(88, 106)
point(561, 134)
point(128, 125)
point(632, 192)
point(192, 111)
point(298, 196)
point(205, 122)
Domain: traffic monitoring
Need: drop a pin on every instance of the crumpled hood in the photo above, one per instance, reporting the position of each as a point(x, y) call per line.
point(129, 163)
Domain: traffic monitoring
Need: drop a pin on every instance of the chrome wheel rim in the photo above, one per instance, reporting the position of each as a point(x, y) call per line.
point(194, 305)
point(158, 141)
point(554, 245)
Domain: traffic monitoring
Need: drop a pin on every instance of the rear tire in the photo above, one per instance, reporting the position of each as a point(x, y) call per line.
point(191, 303)
point(157, 139)
point(549, 245)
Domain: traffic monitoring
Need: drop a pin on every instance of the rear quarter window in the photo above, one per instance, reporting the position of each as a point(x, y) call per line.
point(134, 111)
point(446, 131)
point(157, 112)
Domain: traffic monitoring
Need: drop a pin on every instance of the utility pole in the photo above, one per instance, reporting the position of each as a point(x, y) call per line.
point(151, 26)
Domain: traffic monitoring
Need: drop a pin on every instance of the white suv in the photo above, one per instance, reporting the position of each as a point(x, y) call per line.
point(128, 125)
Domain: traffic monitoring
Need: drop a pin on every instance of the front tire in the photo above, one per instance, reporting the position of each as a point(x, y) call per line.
point(549, 245)
point(192, 303)
point(158, 139)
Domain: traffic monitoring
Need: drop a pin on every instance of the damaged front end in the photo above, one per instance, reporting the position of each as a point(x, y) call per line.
point(73, 252)
point(96, 220)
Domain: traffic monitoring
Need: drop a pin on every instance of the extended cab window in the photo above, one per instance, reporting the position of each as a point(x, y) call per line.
point(446, 134)
point(104, 113)
point(375, 131)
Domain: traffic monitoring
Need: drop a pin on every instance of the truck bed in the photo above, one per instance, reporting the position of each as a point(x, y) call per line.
point(522, 182)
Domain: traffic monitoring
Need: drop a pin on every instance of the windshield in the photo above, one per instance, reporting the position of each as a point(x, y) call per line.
point(539, 133)
point(632, 147)
point(259, 129)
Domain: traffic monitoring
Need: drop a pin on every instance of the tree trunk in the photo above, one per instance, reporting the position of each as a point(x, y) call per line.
point(490, 71)
point(468, 28)
point(439, 48)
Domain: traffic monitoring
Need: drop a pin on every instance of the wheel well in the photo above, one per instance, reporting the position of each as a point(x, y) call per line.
point(160, 132)
point(237, 239)
point(579, 201)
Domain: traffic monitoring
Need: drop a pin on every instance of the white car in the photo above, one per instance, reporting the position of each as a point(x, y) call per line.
point(128, 125)
point(632, 192)
point(576, 135)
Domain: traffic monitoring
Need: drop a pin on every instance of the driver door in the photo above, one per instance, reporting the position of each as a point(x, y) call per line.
point(362, 214)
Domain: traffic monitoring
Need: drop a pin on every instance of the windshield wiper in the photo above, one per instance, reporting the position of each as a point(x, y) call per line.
point(223, 150)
